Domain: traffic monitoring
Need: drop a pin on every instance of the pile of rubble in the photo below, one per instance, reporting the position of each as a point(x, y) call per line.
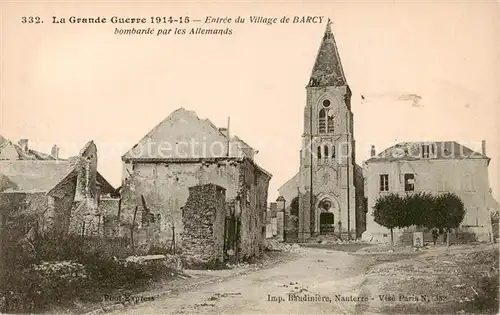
point(172, 261)
point(276, 246)
point(340, 241)
point(332, 239)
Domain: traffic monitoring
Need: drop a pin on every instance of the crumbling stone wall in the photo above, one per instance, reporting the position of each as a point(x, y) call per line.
point(22, 212)
point(60, 204)
point(85, 220)
point(109, 208)
point(254, 186)
point(86, 164)
point(165, 190)
point(203, 220)
point(50, 213)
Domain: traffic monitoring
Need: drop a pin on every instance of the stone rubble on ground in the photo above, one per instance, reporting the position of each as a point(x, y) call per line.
point(274, 245)
point(142, 259)
point(367, 237)
point(333, 239)
point(172, 261)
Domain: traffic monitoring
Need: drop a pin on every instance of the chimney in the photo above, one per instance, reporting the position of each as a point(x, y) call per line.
point(483, 147)
point(55, 151)
point(23, 143)
point(223, 131)
point(372, 153)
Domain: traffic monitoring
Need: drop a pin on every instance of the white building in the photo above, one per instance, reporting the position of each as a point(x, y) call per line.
point(433, 167)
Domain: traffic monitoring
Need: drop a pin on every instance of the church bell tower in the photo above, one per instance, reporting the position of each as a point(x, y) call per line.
point(327, 193)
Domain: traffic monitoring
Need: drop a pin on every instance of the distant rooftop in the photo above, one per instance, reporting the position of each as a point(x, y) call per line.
point(21, 151)
point(412, 151)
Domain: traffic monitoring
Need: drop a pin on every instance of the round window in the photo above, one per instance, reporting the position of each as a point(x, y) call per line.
point(326, 205)
point(326, 103)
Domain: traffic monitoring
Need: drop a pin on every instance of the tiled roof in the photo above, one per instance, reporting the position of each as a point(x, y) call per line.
point(30, 154)
point(412, 151)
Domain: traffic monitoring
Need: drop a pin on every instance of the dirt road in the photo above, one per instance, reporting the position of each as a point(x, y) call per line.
point(312, 284)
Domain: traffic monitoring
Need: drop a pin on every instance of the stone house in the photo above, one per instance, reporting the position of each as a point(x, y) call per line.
point(46, 191)
point(327, 190)
point(184, 151)
point(432, 167)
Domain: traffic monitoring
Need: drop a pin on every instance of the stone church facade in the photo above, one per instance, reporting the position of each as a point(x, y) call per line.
point(328, 189)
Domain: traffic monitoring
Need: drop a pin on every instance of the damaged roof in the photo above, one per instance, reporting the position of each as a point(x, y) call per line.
point(36, 172)
point(12, 151)
point(184, 135)
point(412, 151)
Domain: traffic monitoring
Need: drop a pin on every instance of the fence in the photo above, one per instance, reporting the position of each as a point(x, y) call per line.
point(455, 238)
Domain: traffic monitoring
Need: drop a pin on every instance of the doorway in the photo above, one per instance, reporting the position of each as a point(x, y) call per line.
point(326, 223)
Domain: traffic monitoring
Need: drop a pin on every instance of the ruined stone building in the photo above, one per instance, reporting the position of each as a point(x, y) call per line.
point(182, 152)
point(433, 167)
point(51, 193)
point(326, 195)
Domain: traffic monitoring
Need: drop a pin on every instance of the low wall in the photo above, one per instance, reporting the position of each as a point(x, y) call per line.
point(463, 235)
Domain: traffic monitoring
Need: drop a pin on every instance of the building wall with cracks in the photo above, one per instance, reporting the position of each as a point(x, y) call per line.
point(160, 190)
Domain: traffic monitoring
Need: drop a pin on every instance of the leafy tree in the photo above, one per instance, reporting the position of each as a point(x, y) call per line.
point(418, 209)
point(388, 212)
point(451, 211)
point(445, 211)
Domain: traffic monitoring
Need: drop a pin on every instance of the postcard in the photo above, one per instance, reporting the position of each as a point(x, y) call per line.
point(250, 157)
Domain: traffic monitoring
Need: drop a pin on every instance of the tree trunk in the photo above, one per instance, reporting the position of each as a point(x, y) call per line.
point(392, 238)
point(447, 237)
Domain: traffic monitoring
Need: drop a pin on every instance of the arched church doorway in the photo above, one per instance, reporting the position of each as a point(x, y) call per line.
point(326, 217)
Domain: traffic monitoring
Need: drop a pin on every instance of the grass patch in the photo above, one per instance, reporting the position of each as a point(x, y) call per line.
point(59, 273)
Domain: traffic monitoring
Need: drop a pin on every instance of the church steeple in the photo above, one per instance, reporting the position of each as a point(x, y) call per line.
point(327, 69)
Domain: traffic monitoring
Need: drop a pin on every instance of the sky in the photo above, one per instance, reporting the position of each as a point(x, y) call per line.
point(66, 84)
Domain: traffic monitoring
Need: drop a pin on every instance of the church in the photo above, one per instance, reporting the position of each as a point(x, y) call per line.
point(326, 196)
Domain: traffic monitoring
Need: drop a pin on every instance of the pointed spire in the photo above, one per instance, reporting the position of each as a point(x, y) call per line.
point(327, 69)
point(328, 29)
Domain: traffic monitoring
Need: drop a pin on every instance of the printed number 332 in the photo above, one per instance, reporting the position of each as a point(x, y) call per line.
point(31, 19)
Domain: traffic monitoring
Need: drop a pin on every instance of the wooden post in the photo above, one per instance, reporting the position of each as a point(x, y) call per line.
point(173, 239)
point(98, 225)
point(448, 237)
point(228, 153)
point(119, 209)
point(118, 221)
point(132, 227)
